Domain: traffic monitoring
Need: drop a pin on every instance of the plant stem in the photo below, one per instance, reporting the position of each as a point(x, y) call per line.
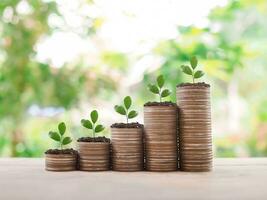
point(160, 95)
point(193, 77)
point(93, 130)
point(127, 119)
point(60, 144)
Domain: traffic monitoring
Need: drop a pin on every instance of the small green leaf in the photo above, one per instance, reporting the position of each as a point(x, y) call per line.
point(99, 128)
point(198, 74)
point(127, 102)
point(54, 135)
point(153, 88)
point(132, 114)
point(193, 62)
point(94, 116)
point(186, 69)
point(62, 128)
point(66, 140)
point(165, 93)
point(86, 123)
point(160, 81)
point(120, 109)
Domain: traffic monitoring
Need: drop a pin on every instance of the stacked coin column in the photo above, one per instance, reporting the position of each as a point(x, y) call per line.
point(94, 156)
point(60, 162)
point(127, 149)
point(160, 123)
point(195, 127)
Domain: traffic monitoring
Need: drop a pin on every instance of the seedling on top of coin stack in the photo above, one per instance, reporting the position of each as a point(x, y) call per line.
point(124, 109)
point(59, 136)
point(191, 70)
point(127, 140)
point(91, 124)
point(160, 121)
point(158, 88)
point(60, 159)
point(193, 100)
point(94, 151)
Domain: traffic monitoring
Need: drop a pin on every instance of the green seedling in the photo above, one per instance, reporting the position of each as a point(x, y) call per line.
point(192, 70)
point(158, 88)
point(59, 136)
point(91, 124)
point(124, 109)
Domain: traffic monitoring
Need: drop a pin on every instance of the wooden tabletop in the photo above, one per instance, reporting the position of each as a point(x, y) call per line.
point(26, 179)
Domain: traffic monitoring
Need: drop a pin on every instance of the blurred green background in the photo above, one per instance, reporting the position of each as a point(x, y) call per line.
point(61, 59)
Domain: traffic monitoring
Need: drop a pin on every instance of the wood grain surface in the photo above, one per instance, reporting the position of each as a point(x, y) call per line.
point(26, 179)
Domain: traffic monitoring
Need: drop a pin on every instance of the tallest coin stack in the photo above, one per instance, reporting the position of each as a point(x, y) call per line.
point(195, 126)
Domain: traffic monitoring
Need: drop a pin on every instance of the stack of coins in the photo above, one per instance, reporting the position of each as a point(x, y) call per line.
point(178, 138)
point(195, 127)
point(60, 162)
point(94, 156)
point(127, 149)
point(160, 123)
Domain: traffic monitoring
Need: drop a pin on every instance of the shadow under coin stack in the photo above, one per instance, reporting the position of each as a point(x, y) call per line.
point(160, 136)
point(195, 126)
point(127, 149)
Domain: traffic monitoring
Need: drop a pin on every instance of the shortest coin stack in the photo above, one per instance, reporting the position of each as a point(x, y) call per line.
point(60, 162)
point(195, 126)
point(94, 156)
